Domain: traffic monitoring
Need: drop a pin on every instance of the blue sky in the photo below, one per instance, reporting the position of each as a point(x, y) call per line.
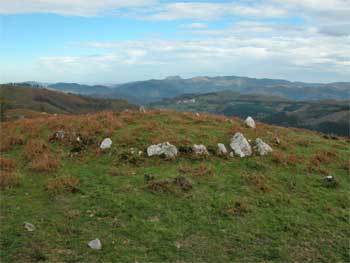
point(114, 41)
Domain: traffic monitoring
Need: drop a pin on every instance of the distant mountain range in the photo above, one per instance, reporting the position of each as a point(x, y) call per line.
point(325, 116)
point(143, 92)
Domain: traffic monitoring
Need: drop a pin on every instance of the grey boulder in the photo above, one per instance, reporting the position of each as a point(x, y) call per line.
point(221, 149)
point(249, 122)
point(200, 149)
point(240, 145)
point(165, 148)
point(95, 244)
point(261, 147)
point(106, 144)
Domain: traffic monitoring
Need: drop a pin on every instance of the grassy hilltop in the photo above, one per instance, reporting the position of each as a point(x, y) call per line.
point(275, 208)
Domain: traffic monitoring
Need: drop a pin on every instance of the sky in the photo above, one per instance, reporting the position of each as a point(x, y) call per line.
point(117, 41)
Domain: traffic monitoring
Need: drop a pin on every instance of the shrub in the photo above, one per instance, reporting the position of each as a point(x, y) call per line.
point(62, 184)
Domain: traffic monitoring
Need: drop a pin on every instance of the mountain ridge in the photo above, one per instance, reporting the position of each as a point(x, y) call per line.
point(157, 89)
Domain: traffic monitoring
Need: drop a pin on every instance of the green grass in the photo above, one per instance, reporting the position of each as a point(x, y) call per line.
point(295, 219)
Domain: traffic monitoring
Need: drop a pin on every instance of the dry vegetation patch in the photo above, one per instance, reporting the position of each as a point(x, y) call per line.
point(40, 157)
point(7, 165)
point(202, 170)
point(62, 184)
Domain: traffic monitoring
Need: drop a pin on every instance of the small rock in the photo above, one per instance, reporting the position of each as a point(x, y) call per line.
point(240, 145)
point(329, 181)
point(197, 114)
point(329, 178)
point(30, 227)
point(95, 244)
point(262, 147)
point(59, 134)
point(106, 144)
point(222, 149)
point(232, 154)
point(165, 148)
point(142, 109)
point(200, 149)
point(277, 141)
point(250, 122)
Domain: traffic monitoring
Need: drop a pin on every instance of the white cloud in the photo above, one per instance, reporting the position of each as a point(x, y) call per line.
point(322, 9)
point(195, 25)
point(68, 7)
point(307, 56)
point(211, 11)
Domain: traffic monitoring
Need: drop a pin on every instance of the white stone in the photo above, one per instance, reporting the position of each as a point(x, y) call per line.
point(165, 148)
point(240, 145)
point(232, 154)
point(261, 147)
point(106, 144)
point(222, 148)
point(95, 244)
point(200, 149)
point(250, 122)
point(30, 227)
point(142, 109)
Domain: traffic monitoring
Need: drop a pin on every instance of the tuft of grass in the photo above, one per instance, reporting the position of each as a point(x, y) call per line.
point(44, 163)
point(9, 179)
point(201, 170)
point(35, 148)
point(257, 180)
point(62, 184)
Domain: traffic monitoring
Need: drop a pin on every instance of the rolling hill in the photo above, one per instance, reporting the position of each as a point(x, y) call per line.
point(59, 192)
point(155, 90)
point(325, 116)
point(142, 92)
point(18, 98)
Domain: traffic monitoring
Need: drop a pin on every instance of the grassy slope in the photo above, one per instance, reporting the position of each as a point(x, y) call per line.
point(325, 116)
point(45, 100)
point(273, 208)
